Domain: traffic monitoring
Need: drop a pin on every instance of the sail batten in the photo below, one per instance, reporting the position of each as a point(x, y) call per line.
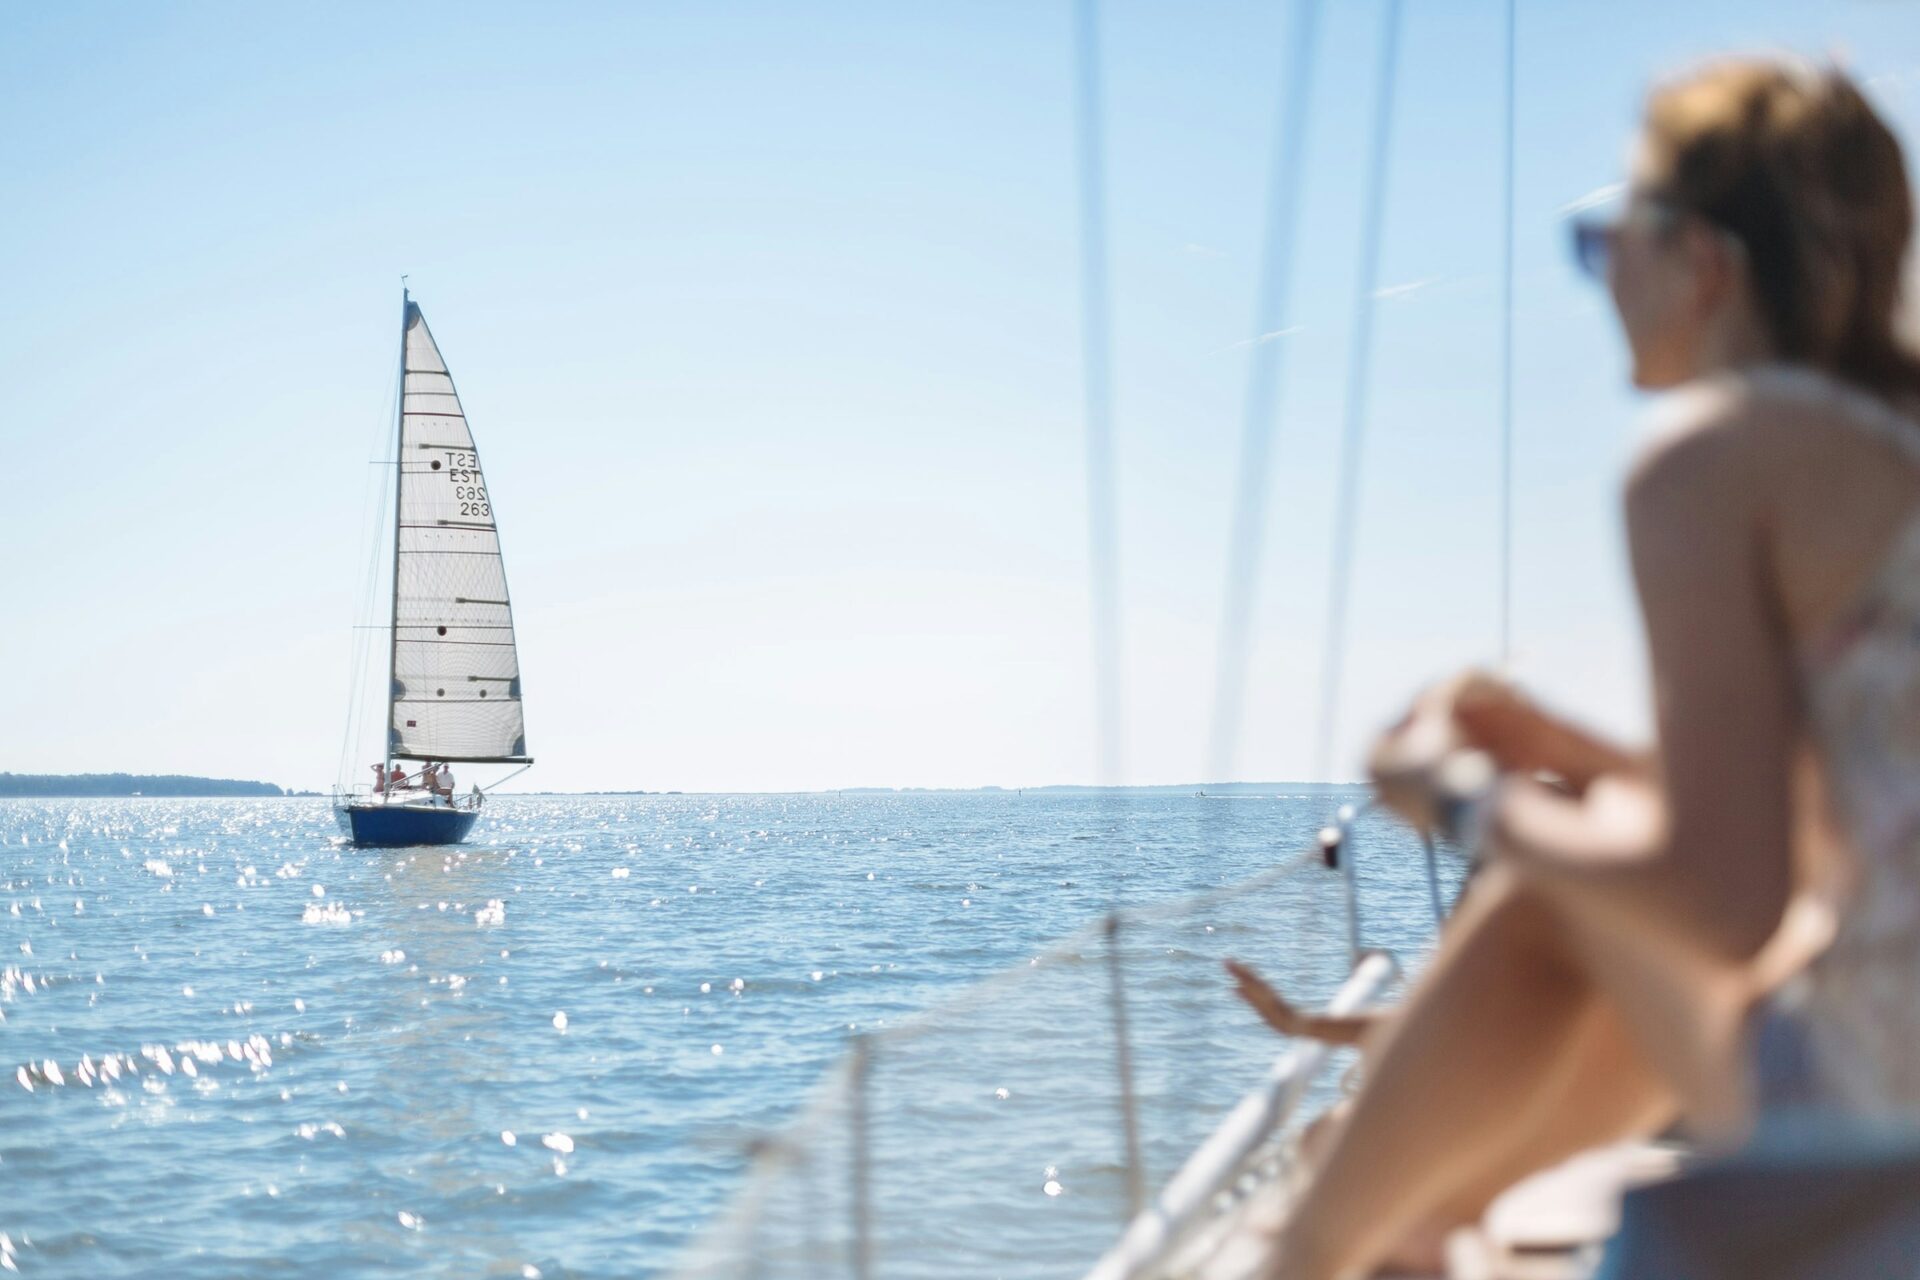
point(455, 693)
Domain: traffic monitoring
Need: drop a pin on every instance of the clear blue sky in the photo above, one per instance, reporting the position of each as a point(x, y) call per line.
point(765, 320)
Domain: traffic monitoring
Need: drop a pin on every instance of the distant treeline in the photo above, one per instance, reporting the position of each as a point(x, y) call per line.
point(127, 784)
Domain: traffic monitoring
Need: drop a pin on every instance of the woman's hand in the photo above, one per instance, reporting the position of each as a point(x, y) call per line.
point(1474, 711)
point(1495, 717)
point(1481, 718)
point(1265, 1001)
point(1333, 1029)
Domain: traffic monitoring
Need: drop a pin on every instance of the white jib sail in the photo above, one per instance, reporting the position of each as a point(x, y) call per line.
point(456, 674)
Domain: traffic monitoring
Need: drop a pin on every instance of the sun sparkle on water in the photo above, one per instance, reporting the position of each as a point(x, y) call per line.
point(329, 1055)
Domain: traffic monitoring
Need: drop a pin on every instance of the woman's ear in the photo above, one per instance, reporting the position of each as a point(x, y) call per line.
point(1719, 270)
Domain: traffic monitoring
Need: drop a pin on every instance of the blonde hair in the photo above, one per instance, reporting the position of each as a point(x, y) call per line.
point(1797, 165)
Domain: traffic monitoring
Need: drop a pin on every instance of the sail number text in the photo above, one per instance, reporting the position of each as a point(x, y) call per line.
point(468, 488)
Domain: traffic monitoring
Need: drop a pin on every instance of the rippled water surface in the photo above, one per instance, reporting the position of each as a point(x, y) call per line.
point(233, 1046)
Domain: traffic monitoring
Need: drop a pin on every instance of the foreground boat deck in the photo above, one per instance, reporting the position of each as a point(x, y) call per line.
point(1550, 1227)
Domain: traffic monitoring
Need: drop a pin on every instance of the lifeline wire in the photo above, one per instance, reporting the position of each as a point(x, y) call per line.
point(1359, 364)
point(1259, 404)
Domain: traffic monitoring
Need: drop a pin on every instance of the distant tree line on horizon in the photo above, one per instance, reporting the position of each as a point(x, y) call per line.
point(59, 785)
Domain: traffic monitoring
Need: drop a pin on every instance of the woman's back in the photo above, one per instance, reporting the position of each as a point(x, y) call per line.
point(1839, 511)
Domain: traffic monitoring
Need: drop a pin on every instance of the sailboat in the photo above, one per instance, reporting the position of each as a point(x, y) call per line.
point(453, 672)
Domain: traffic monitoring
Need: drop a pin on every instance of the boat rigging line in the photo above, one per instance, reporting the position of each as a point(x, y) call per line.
point(374, 506)
point(1260, 400)
point(1096, 346)
point(1103, 559)
point(1506, 355)
point(1359, 370)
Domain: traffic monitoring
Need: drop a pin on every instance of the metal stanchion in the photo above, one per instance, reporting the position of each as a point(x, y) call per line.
point(860, 1248)
point(1337, 850)
point(1123, 1060)
point(1433, 880)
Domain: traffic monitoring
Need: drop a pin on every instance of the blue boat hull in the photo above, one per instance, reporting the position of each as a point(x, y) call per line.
point(384, 825)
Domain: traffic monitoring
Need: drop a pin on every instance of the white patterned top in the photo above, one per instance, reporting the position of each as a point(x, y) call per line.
point(1858, 1005)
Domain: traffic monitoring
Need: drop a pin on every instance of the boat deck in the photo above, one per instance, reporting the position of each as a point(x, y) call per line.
point(1550, 1227)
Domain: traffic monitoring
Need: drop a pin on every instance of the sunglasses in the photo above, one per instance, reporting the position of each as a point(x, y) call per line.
point(1592, 240)
point(1595, 238)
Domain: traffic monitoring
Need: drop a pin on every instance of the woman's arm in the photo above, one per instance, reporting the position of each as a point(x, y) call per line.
point(1523, 737)
point(1483, 713)
point(1712, 864)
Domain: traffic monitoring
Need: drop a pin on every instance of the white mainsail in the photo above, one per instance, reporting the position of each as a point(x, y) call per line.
point(456, 674)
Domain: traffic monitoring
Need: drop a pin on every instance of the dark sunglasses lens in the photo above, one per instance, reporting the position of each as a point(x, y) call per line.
point(1591, 246)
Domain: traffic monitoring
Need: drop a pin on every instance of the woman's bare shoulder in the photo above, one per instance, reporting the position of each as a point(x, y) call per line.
point(1699, 441)
point(1738, 430)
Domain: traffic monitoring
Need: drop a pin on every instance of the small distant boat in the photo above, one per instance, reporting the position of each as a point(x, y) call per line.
point(453, 672)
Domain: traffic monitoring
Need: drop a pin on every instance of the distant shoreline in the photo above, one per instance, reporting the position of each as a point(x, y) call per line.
point(80, 786)
point(74, 786)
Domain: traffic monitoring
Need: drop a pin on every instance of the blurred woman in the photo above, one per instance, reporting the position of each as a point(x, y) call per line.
point(1622, 958)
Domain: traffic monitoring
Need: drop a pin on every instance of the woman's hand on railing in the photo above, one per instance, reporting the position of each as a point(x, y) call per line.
point(1264, 1000)
point(1407, 761)
point(1463, 732)
point(1278, 1013)
point(1481, 712)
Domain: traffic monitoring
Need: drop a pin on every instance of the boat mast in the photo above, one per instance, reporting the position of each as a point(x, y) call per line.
point(393, 614)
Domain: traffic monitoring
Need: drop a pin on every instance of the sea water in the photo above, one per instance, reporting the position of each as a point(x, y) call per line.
point(233, 1045)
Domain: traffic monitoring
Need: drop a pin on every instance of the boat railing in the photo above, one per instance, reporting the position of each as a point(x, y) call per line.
point(1192, 1197)
point(1022, 1124)
point(363, 793)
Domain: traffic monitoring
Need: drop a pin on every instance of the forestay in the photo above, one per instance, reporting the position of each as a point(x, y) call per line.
point(456, 674)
